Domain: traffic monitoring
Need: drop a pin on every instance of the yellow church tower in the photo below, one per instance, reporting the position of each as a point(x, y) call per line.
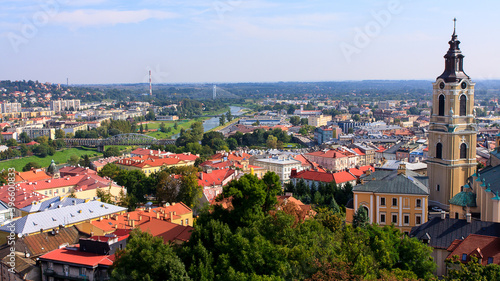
point(452, 129)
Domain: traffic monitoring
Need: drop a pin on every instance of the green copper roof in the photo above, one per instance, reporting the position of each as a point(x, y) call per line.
point(478, 178)
point(466, 186)
point(496, 197)
point(464, 199)
point(488, 189)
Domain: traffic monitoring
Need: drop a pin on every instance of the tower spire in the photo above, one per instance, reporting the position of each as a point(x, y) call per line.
point(454, 26)
point(454, 69)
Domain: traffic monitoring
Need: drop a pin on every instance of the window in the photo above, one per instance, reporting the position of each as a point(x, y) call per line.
point(463, 105)
point(382, 218)
point(439, 150)
point(83, 271)
point(66, 270)
point(182, 222)
point(490, 260)
point(63, 190)
point(187, 221)
point(441, 105)
point(419, 203)
point(463, 151)
point(394, 201)
point(464, 257)
point(407, 233)
point(382, 201)
point(394, 218)
point(418, 220)
point(437, 187)
point(51, 265)
point(406, 219)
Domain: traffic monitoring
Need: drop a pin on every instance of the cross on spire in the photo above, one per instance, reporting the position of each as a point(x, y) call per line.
point(454, 25)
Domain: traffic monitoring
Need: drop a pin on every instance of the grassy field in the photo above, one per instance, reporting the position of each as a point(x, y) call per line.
point(59, 157)
point(183, 124)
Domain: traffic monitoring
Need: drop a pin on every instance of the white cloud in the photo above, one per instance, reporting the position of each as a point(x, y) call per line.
point(81, 18)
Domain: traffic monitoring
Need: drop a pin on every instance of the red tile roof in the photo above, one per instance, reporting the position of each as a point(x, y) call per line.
point(216, 177)
point(339, 177)
point(328, 154)
point(32, 175)
point(481, 246)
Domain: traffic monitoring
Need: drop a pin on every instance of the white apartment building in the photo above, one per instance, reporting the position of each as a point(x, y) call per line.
point(282, 165)
point(61, 105)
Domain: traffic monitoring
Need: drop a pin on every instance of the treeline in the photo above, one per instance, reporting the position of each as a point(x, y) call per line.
point(259, 238)
point(260, 137)
point(321, 194)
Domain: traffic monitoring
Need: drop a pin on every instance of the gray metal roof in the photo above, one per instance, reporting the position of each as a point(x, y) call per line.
point(61, 216)
point(391, 182)
point(443, 232)
point(394, 164)
point(52, 203)
point(491, 176)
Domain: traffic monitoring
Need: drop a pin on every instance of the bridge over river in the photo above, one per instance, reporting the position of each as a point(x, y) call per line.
point(122, 139)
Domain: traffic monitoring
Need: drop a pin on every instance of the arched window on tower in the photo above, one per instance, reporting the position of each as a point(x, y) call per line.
point(463, 105)
point(463, 151)
point(441, 105)
point(439, 151)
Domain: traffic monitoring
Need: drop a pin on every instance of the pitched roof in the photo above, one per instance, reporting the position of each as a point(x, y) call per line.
point(215, 177)
point(391, 182)
point(32, 175)
point(62, 216)
point(443, 232)
point(52, 203)
point(475, 245)
point(339, 177)
point(167, 231)
point(327, 154)
point(41, 243)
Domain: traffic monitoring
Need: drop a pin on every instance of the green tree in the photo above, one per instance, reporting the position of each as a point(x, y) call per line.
point(471, 271)
point(360, 218)
point(30, 165)
point(112, 151)
point(304, 121)
point(11, 142)
point(85, 161)
point(146, 128)
point(167, 188)
point(222, 120)
point(104, 195)
point(144, 251)
point(24, 138)
point(295, 120)
point(73, 160)
point(150, 116)
point(141, 129)
point(272, 141)
point(60, 134)
point(356, 117)
point(190, 191)
point(109, 170)
point(163, 127)
point(229, 116)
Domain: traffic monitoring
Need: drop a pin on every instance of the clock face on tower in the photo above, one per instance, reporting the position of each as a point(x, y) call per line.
point(464, 85)
point(441, 85)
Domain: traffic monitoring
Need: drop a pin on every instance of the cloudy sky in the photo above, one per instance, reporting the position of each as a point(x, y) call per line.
point(118, 41)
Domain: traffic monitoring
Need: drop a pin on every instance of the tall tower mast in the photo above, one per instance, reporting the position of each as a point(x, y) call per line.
point(452, 130)
point(214, 93)
point(150, 85)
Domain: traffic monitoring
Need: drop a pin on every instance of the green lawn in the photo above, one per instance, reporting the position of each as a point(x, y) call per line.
point(218, 128)
point(59, 157)
point(182, 124)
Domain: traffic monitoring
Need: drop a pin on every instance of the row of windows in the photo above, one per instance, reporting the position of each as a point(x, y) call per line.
point(439, 151)
point(418, 202)
point(406, 219)
point(63, 190)
point(464, 258)
point(463, 105)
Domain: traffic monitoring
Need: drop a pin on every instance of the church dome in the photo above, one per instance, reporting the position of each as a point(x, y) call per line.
point(52, 169)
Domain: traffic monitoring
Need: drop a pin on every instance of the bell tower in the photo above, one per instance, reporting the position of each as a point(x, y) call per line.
point(452, 129)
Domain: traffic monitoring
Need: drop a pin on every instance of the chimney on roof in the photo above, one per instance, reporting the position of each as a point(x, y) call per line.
point(443, 215)
point(402, 169)
point(132, 223)
point(293, 173)
point(157, 215)
point(171, 216)
point(468, 217)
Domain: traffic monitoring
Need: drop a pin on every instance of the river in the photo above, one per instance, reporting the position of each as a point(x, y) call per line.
point(214, 121)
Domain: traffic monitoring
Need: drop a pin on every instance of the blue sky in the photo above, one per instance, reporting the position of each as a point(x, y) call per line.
point(111, 41)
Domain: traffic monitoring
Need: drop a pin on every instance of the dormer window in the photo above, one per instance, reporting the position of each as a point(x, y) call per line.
point(464, 257)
